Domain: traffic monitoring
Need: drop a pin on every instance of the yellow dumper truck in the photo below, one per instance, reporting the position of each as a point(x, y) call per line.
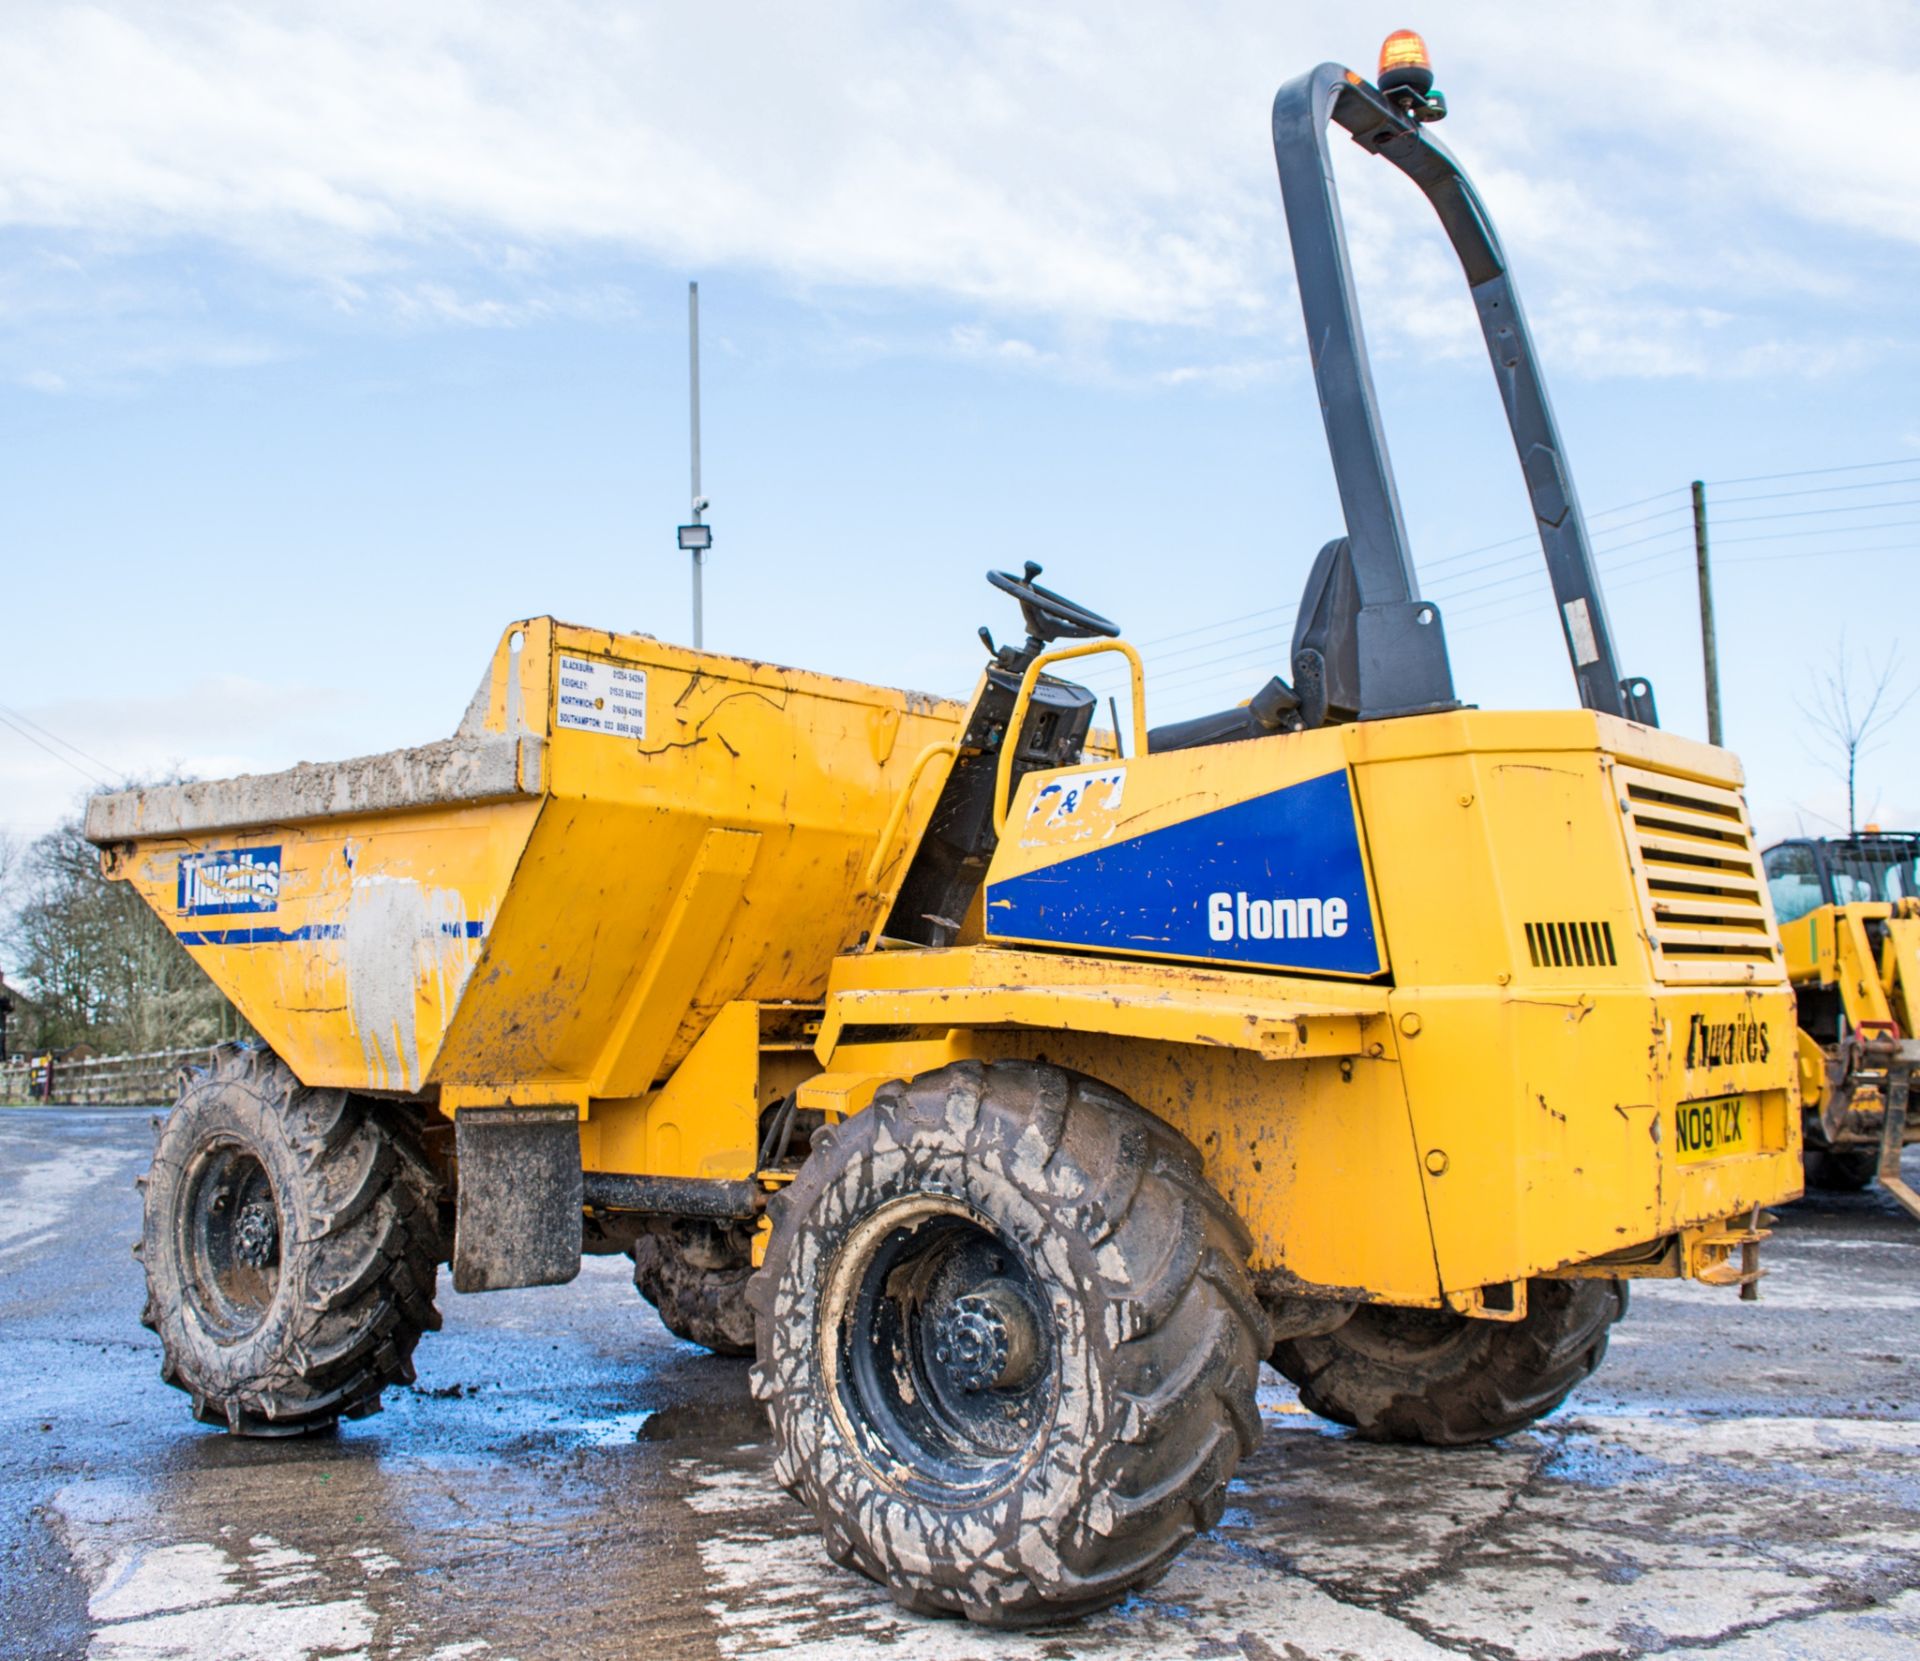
point(1011, 1089)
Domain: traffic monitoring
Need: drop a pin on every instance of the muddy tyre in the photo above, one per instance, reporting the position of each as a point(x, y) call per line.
point(1007, 1343)
point(1419, 1375)
point(1844, 1170)
point(695, 1275)
point(291, 1244)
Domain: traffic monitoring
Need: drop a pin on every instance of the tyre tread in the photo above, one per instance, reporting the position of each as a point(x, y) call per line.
point(1492, 1379)
point(374, 1233)
point(1185, 1364)
point(704, 1304)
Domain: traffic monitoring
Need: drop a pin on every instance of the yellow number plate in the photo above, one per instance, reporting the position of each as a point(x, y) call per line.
point(1715, 1129)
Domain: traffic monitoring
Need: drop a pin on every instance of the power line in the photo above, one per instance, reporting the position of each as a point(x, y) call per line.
point(1817, 472)
point(1631, 582)
point(1146, 646)
point(1194, 676)
point(1186, 678)
point(1815, 530)
point(1446, 593)
point(1675, 553)
point(64, 761)
point(1603, 547)
point(1282, 614)
point(1190, 678)
point(1202, 628)
point(1815, 513)
point(1227, 639)
point(1816, 490)
point(1535, 570)
point(1546, 592)
point(1531, 559)
point(1533, 535)
point(64, 743)
point(1535, 573)
point(1827, 553)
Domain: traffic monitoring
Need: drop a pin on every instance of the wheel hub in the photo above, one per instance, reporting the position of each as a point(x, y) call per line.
point(256, 1235)
point(946, 1354)
point(229, 1239)
point(986, 1340)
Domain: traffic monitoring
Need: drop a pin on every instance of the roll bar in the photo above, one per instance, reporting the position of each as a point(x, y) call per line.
point(1403, 660)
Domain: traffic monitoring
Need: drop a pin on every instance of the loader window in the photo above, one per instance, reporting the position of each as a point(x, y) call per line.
point(1794, 880)
point(1874, 872)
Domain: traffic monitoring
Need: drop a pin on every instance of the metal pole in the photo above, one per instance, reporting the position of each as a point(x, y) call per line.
point(693, 377)
point(1709, 652)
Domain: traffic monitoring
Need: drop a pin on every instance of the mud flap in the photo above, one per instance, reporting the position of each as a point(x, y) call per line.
point(519, 1216)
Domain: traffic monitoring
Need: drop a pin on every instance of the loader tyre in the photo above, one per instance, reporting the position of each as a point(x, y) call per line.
point(291, 1244)
point(1844, 1170)
point(1007, 1343)
point(695, 1275)
point(1429, 1375)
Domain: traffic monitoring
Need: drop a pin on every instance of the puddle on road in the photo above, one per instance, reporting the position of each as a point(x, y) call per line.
point(582, 1525)
point(1592, 1535)
point(616, 1430)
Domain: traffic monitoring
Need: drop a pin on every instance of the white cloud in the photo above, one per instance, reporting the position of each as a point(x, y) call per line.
point(440, 163)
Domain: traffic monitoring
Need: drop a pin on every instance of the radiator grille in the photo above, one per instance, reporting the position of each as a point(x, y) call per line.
point(1571, 945)
point(1701, 889)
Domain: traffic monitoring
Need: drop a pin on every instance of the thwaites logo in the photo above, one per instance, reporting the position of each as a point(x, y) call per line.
point(1726, 1043)
point(229, 880)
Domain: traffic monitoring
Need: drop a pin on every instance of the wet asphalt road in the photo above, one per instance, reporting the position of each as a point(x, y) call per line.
point(567, 1480)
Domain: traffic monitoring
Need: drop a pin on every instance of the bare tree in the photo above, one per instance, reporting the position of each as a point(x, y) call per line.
point(12, 852)
point(1852, 714)
point(100, 966)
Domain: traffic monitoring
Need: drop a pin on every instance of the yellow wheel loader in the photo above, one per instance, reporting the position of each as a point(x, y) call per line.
point(1849, 913)
point(1013, 1089)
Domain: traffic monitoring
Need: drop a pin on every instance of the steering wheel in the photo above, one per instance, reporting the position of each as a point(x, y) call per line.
point(1050, 616)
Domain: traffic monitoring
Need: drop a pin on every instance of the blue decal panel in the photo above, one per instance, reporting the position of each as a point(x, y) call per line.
point(229, 881)
point(1278, 881)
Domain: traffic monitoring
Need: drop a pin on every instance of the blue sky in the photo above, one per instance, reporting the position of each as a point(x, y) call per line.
point(333, 338)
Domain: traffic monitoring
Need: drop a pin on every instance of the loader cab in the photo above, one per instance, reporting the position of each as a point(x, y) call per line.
point(1877, 867)
point(1874, 868)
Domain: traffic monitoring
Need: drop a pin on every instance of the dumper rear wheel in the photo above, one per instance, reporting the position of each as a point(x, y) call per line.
point(1429, 1375)
point(695, 1275)
point(1007, 1343)
point(291, 1243)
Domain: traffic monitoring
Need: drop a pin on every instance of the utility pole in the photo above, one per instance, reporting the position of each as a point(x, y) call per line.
point(697, 537)
point(1709, 652)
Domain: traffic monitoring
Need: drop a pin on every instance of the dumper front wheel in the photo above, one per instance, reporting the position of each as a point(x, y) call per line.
point(1007, 1343)
point(695, 1275)
point(291, 1244)
point(1842, 1170)
point(1429, 1375)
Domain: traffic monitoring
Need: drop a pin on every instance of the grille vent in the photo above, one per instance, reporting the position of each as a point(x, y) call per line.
point(1571, 945)
point(1708, 917)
